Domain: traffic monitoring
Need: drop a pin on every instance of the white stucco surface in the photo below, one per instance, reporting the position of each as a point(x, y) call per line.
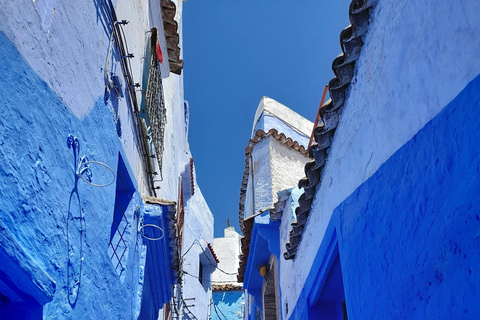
point(176, 151)
point(275, 167)
point(408, 49)
point(227, 250)
point(66, 51)
point(287, 167)
point(287, 286)
point(57, 51)
point(262, 176)
point(197, 231)
point(282, 118)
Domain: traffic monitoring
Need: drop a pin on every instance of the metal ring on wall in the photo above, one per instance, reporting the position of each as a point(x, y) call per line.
point(151, 225)
point(84, 166)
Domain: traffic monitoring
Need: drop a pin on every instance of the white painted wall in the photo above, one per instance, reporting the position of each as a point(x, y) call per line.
point(271, 108)
point(198, 226)
point(57, 50)
point(227, 250)
point(262, 176)
point(57, 53)
point(417, 56)
point(275, 167)
point(287, 167)
point(72, 44)
point(287, 286)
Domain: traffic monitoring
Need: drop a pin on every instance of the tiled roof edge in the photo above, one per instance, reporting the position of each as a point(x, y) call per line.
point(351, 42)
point(209, 245)
point(170, 26)
point(259, 136)
point(226, 287)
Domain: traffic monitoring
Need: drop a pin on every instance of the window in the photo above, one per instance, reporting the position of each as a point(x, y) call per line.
point(200, 272)
point(118, 245)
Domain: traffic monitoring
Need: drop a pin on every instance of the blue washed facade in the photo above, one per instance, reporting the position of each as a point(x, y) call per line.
point(228, 305)
point(57, 220)
point(408, 237)
point(275, 158)
point(387, 225)
point(90, 190)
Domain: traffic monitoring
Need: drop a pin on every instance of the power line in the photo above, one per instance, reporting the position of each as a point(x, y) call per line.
point(215, 308)
point(206, 255)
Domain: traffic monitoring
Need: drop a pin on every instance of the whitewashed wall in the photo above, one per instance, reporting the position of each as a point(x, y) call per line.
point(287, 286)
point(228, 252)
point(418, 55)
point(287, 167)
point(176, 152)
point(262, 176)
point(57, 51)
point(198, 226)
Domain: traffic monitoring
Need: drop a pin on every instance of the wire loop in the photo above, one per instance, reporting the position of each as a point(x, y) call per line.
point(142, 227)
point(83, 168)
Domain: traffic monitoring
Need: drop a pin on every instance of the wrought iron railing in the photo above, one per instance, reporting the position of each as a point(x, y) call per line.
point(155, 106)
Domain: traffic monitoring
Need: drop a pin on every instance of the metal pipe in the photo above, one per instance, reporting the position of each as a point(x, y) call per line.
point(318, 116)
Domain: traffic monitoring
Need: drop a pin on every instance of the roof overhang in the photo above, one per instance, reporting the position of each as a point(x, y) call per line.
point(343, 66)
point(159, 231)
point(264, 241)
point(260, 135)
point(170, 27)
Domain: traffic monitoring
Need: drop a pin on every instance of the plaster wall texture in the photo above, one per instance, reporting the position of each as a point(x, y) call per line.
point(297, 124)
point(176, 152)
point(68, 51)
point(52, 74)
point(262, 177)
point(249, 194)
point(403, 80)
point(198, 230)
point(60, 221)
point(408, 237)
point(229, 305)
point(286, 266)
point(79, 31)
point(228, 252)
point(275, 168)
point(287, 167)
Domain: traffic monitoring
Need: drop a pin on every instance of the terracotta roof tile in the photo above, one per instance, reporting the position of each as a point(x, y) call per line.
point(226, 287)
point(343, 66)
point(259, 136)
point(170, 26)
point(213, 252)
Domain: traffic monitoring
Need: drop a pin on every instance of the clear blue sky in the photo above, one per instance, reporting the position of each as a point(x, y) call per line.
point(235, 52)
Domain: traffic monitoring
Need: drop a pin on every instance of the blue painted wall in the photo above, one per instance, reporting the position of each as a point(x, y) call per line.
point(38, 186)
point(228, 305)
point(409, 237)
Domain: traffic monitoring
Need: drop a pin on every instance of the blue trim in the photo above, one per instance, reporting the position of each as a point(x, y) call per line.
point(323, 270)
point(159, 273)
point(408, 237)
point(264, 242)
point(318, 272)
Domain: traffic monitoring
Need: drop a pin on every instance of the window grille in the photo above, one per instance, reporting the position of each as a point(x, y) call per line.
point(155, 103)
point(118, 246)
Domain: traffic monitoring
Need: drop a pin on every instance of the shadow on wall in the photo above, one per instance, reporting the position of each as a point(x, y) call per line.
point(75, 230)
point(228, 305)
point(104, 14)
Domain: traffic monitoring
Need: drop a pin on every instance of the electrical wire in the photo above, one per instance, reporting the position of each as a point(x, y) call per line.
point(215, 308)
point(206, 255)
point(212, 282)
